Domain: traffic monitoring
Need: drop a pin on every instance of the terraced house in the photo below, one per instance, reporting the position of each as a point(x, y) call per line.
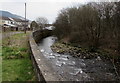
point(13, 24)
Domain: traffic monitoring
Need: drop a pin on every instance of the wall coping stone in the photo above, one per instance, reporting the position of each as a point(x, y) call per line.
point(43, 64)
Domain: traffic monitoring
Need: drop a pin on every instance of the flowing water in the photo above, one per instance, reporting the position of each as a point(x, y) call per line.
point(76, 69)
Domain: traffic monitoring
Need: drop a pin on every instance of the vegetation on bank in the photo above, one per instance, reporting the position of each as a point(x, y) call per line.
point(75, 51)
point(16, 63)
point(80, 52)
point(94, 27)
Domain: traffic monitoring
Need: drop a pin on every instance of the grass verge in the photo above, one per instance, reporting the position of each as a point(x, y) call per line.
point(16, 63)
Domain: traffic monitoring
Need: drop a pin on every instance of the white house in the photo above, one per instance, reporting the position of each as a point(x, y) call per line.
point(13, 23)
point(6, 23)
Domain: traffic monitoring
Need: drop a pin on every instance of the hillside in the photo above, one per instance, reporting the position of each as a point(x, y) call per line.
point(8, 14)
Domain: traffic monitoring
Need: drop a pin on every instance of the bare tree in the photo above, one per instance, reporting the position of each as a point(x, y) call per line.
point(117, 25)
point(94, 24)
point(42, 21)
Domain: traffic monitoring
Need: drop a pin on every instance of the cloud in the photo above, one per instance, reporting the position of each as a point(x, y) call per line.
point(36, 8)
point(12, 0)
point(81, 1)
point(46, 9)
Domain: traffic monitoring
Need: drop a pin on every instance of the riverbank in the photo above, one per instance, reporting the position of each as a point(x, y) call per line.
point(16, 63)
point(75, 51)
point(83, 53)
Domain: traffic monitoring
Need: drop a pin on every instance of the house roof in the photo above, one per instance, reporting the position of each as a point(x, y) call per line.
point(13, 19)
point(19, 20)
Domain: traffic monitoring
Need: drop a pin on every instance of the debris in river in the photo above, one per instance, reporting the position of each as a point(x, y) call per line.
point(42, 50)
point(63, 58)
point(76, 71)
point(51, 57)
point(57, 55)
point(51, 54)
point(98, 58)
point(71, 63)
point(59, 63)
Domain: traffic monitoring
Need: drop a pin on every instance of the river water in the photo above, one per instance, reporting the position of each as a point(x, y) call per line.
point(76, 69)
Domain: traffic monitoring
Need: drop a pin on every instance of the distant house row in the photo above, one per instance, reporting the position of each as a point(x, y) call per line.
point(13, 24)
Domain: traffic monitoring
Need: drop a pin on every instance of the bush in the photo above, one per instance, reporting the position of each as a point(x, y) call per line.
point(92, 49)
point(23, 49)
point(74, 37)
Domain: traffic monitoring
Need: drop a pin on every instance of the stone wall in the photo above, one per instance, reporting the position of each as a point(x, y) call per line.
point(42, 66)
point(39, 34)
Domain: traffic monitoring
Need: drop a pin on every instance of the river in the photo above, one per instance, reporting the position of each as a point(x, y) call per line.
point(76, 69)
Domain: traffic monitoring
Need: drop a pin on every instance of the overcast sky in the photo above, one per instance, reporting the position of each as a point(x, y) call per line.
point(43, 8)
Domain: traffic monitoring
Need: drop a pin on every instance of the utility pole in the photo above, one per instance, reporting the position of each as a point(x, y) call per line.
point(25, 19)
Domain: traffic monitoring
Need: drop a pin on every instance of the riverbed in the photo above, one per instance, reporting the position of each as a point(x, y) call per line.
point(76, 69)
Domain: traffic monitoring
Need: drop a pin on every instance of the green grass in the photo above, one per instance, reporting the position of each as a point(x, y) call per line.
point(14, 52)
point(16, 63)
point(23, 49)
point(0, 69)
point(17, 70)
